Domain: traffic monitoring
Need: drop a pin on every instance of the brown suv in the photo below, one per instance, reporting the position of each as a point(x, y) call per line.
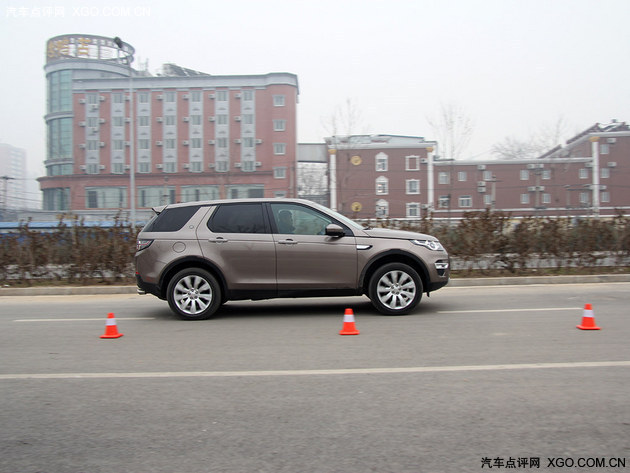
point(199, 255)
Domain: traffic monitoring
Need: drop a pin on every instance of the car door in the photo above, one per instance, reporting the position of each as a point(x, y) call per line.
point(236, 238)
point(307, 258)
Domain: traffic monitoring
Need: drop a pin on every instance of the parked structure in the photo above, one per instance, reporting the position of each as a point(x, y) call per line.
point(185, 136)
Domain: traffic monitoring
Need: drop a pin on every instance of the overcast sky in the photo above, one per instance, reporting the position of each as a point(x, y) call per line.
point(511, 65)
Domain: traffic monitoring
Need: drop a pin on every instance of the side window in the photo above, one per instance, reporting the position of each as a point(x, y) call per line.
point(238, 218)
point(299, 220)
point(171, 220)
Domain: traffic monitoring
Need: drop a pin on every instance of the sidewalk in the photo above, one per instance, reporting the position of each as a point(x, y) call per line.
point(457, 282)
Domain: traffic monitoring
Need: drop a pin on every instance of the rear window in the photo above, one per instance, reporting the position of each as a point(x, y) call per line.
point(171, 220)
point(238, 218)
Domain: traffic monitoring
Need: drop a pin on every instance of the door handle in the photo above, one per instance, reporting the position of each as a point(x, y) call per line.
point(287, 242)
point(217, 240)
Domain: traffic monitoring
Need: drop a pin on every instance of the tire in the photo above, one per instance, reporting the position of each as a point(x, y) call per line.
point(194, 294)
point(395, 289)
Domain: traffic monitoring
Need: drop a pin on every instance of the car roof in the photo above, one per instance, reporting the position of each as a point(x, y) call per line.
point(205, 203)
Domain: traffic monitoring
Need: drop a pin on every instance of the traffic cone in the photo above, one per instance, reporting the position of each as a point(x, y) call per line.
point(348, 324)
point(588, 320)
point(110, 327)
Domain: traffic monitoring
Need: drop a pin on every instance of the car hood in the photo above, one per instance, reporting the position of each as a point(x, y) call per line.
point(398, 234)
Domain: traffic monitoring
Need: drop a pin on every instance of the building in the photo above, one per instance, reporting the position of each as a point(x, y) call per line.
point(380, 175)
point(388, 176)
point(13, 193)
point(184, 136)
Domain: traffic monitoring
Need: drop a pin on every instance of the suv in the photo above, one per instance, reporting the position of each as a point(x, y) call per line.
point(199, 255)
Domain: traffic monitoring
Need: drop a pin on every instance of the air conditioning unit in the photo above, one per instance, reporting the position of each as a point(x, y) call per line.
point(102, 98)
point(612, 164)
point(160, 97)
point(82, 167)
point(101, 120)
point(211, 165)
point(424, 160)
point(531, 166)
point(481, 183)
point(259, 141)
point(186, 119)
point(588, 165)
point(82, 145)
point(160, 119)
point(159, 166)
point(127, 120)
point(186, 96)
point(481, 189)
point(237, 118)
point(258, 164)
point(81, 101)
point(186, 165)
point(211, 119)
point(611, 140)
point(81, 123)
point(127, 143)
point(237, 165)
point(237, 96)
point(211, 96)
point(159, 143)
point(102, 144)
point(101, 167)
point(238, 141)
point(127, 167)
point(211, 142)
point(531, 189)
point(185, 142)
point(94, 106)
point(481, 167)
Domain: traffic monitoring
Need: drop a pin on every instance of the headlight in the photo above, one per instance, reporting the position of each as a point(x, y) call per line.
point(432, 245)
point(142, 244)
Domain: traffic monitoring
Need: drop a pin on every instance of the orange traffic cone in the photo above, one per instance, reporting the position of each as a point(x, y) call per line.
point(348, 324)
point(588, 320)
point(110, 327)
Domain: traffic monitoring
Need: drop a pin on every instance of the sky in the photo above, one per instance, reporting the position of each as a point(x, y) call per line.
point(511, 66)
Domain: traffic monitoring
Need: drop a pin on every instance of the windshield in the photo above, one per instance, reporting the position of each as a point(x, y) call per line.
point(338, 216)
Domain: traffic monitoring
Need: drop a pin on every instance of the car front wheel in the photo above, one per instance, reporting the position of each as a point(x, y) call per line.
point(194, 294)
point(395, 289)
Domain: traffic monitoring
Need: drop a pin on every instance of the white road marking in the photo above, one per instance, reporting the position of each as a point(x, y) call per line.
point(529, 309)
point(323, 372)
point(82, 320)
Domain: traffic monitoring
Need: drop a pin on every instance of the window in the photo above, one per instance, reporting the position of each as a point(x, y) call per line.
point(222, 143)
point(222, 166)
point(238, 218)
point(143, 97)
point(195, 193)
point(144, 168)
point(524, 198)
point(248, 119)
point(412, 163)
point(413, 186)
point(604, 148)
point(279, 148)
point(487, 175)
point(117, 121)
point(584, 197)
point(117, 98)
point(92, 145)
point(222, 119)
point(444, 178)
point(278, 100)
point(298, 220)
point(195, 143)
point(465, 201)
point(222, 95)
point(195, 96)
point(195, 119)
point(280, 173)
point(169, 120)
point(248, 95)
point(143, 144)
point(105, 197)
point(118, 144)
point(196, 166)
point(382, 186)
point(172, 220)
point(248, 142)
point(524, 175)
point(583, 173)
point(169, 96)
point(546, 198)
point(279, 125)
point(169, 143)
point(461, 176)
point(151, 196)
point(169, 167)
point(413, 210)
point(546, 174)
point(444, 201)
point(382, 209)
point(605, 197)
point(248, 166)
point(604, 173)
point(382, 162)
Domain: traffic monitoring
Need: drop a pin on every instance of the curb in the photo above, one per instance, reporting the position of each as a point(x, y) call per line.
point(456, 282)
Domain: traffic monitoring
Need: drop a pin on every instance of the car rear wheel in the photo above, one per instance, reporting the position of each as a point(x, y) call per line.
point(395, 289)
point(194, 294)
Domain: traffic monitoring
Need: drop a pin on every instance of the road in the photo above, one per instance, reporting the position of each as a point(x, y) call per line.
point(475, 377)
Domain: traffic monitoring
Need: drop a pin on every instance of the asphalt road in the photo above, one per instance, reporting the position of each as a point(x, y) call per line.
point(476, 377)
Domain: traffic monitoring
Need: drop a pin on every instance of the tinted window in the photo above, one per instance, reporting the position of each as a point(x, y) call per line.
point(238, 218)
point(171, 220)
point(300, 220)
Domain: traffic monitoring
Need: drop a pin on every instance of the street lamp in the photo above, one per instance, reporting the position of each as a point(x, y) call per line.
point(132, 167)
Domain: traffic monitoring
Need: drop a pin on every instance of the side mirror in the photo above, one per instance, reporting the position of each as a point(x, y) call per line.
point(333, 230)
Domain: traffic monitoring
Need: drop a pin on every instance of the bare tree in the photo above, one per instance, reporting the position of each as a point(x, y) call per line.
point(346, 119)
point(538, 143)
point(453, 129)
